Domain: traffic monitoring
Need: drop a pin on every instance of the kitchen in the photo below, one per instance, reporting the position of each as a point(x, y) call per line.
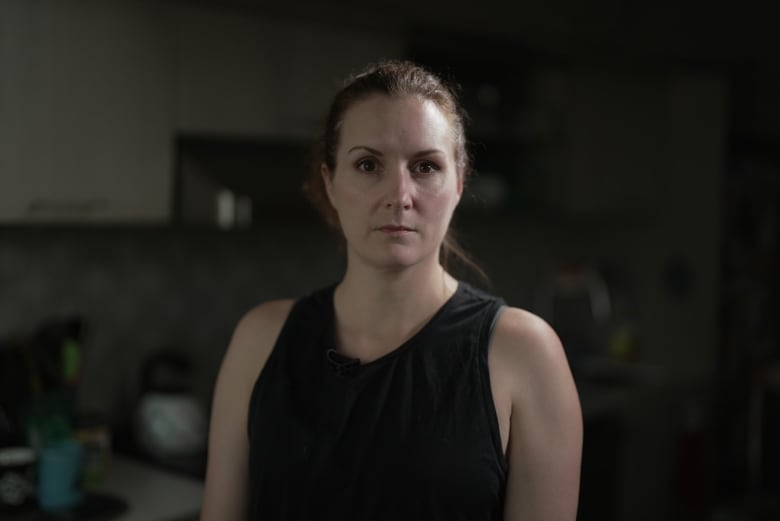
point(114, 208)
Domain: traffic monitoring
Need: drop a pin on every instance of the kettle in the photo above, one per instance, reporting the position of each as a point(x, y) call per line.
point(169, 420)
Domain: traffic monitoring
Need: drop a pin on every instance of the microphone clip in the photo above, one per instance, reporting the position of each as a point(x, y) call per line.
point(342, 365)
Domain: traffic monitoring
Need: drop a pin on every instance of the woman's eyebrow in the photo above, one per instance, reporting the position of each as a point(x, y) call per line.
point(376, 152)
point(363, 147)
point(427, 152)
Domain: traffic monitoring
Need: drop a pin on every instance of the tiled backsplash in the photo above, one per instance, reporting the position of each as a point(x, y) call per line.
point(141, 289)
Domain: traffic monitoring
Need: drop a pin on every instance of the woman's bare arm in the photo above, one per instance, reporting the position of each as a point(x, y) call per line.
point(227, 473)
point(545, 434)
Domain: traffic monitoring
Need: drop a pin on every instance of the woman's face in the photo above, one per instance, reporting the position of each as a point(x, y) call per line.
point(396, 182)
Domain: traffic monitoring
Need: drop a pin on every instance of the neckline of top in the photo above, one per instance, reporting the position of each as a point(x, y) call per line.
point(404, 346)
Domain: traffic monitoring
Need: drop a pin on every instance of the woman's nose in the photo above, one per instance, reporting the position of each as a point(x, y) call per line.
point(399, 191)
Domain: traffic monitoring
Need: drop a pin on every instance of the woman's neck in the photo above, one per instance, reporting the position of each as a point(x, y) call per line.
point(375, 313)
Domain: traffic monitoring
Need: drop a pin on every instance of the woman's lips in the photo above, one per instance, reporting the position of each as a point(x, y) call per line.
point(395, 231)
point(393, 228)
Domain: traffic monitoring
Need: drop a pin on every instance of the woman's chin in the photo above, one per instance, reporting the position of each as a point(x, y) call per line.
point(394, 259)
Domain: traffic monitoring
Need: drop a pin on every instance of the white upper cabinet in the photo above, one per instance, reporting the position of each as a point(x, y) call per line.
point(85, 111)
point(255, 76)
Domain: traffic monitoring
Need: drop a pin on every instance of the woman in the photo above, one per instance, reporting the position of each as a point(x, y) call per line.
point(400, 392)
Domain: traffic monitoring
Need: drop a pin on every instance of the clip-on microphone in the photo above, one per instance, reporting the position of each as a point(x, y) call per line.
point(343, 365)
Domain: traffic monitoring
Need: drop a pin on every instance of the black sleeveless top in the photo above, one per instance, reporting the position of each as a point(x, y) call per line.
point(411, 435)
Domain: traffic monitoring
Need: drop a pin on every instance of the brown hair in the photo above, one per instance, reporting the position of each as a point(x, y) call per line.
point(393, 78)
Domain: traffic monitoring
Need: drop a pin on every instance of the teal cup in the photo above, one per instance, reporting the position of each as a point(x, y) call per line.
point(60, 469)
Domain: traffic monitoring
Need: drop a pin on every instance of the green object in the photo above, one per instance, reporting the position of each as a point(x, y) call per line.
point(71, 361)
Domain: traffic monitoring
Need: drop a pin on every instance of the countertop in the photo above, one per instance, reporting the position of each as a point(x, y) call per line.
point(132, 491)
point(152, 494)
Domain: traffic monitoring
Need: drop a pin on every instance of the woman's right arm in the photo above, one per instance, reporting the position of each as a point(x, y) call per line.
point(227, 472)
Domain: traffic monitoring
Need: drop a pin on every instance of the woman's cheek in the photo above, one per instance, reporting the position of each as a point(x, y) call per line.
point(443, 201)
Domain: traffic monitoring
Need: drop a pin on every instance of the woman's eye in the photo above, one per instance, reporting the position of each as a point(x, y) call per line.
point(426, 167)
point(366, 165)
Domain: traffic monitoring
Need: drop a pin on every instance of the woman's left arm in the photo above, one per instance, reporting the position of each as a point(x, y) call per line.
point(545, 430)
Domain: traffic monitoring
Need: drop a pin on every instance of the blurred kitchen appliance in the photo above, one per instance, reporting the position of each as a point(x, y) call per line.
point(170, 423)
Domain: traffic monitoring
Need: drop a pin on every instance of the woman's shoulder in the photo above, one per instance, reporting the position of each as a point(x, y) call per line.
point(260, 326)
point(528, 351)
point(520, 330)
point(264, 316)
point(254, 337)
point(258, 329)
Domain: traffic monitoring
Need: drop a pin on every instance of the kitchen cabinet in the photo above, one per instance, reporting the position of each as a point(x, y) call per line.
point(93, 95)
point(617, 157)
point(255, 77)
point(610, 154)
point(86, 104)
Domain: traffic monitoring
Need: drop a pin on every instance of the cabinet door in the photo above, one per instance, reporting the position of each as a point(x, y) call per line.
point(611, 153)
point(263, 77)
point(618, 158)
point(85, 104)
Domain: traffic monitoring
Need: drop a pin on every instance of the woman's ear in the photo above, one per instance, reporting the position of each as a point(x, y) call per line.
point(327, 180)
point(461, 176)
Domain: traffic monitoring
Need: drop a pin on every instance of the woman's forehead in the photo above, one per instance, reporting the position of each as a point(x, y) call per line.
point(398, 121)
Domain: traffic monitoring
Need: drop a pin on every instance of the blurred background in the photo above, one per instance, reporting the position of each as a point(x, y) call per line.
point(626, 189)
